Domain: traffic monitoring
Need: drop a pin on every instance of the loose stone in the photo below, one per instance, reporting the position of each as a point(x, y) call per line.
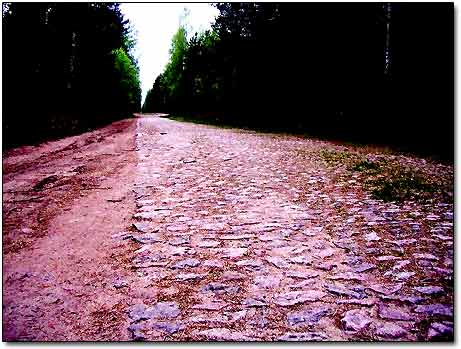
point(400, 264)
point(364, 267)
point(190, 262)
point(440, 331)
point(387, 258)
point(232, 275)
point(343, 291)
point(301, 260)
point(355, 320)
point(392, 313)
point(268, 237)
point(209, 320)
point(236, 237)
point(179, 240)
point(148, 238)
point(140, 203)
point(119, 283)
point(372, 237)
point(267, 281)
point(328, 252)
point(233, 252)
point(308, 317)
point(251, 264)
point(425, 256)
point(296, 297)
point(181, 251)
point(213, 264)
point(404, 275)
point(443, 237)
point(136, 331)
point(189, 276)
point(166, 310)
point(364, 302)
point(386, 290)
point(143, 227)
point(390, 331)
point(253, 302)
point(223, 334)
point(346, 276)
point(219, 288)
point(167, 327)
point(430, 290)
point(123, 235)
point(435, 309)
point(302, 274)
point(146, 215)
point(138, 312)
point(404, 299)
point(325, 266)
point(278, 262)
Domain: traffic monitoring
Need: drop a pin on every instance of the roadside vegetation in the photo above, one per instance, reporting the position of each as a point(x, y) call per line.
point(392, 179)
point(350, 72)
point(67, 67)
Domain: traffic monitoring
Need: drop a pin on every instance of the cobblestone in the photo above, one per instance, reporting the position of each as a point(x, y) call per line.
point(259, 238)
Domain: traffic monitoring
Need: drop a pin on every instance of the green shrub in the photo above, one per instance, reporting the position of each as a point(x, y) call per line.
point(400, 185)
point(333, 157)
point(366, 165)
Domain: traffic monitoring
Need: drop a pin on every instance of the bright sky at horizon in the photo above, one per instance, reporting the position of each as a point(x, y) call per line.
point(155, 25)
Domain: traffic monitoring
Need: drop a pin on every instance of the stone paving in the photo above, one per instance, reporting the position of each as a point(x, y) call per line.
point(241, 237)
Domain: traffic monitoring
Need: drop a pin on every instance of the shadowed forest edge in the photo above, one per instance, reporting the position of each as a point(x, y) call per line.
point(364, 73)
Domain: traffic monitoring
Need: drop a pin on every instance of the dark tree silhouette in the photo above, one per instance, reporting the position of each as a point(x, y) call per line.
point(66, 67)
point(370, 72)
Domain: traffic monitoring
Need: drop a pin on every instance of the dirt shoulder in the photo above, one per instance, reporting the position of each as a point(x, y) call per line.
point(62, 201)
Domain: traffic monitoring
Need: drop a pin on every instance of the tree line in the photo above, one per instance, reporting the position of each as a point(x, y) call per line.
point(67, 67)
point(368, 72)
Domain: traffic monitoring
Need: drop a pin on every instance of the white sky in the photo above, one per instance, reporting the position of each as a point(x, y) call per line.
point(155, 25)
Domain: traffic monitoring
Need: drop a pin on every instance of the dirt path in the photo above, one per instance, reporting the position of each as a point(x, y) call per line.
point(152, 229)
point(59, 261)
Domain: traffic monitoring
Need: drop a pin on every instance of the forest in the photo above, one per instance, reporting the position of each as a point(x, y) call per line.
point(67, 68)
point(379, 73)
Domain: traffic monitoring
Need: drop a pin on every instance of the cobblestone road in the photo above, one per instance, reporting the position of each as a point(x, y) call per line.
point(244, 236)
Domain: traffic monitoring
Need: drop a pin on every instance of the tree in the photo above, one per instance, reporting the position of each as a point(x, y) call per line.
point(174, 72)
point(67, 67)
point(361, 71)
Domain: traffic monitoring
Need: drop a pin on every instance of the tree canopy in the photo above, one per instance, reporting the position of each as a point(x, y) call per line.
point(67, 67)
point(371, 72)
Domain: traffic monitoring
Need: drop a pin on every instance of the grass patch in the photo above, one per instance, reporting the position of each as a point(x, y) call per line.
point(366, 165)
point(390, 181)
point(334, 157)
point(401, 185)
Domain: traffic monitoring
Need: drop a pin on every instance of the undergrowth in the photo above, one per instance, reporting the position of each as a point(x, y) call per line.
point(388, 180)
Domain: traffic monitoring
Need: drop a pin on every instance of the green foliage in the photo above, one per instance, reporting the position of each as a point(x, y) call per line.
point(174, 71)
point(191, 78)
point(334, 158)
point(391, 181)
point(400, 185)
point(68, 66)
point(129, 84)
point(365, 165)
point(246, 68)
